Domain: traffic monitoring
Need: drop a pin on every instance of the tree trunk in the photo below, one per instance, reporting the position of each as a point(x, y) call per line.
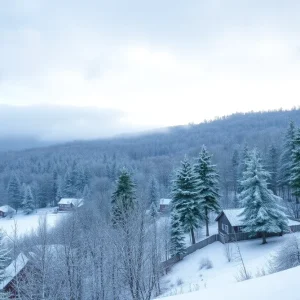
point(206, 222)
point(193, 236)
point(264, 240)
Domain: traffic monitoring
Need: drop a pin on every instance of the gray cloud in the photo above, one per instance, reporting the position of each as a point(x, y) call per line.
point(61, 123)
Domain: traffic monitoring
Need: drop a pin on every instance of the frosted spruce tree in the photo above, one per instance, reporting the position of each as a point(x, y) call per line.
point(262, 212)
point(4, 258)
point(123, 198)
point(207, 185)
point(272, 167)
point(14, 192)
point(153, 197)
point(295, 168)
point(28, 202)
point(286, 160)
point(177, 235)
point(185, 201)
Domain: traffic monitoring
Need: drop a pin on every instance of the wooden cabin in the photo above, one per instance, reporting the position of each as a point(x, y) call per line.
point(230, 224)
point(6, 210)
point(164, 205)
point(13, 274)
point(69, 204)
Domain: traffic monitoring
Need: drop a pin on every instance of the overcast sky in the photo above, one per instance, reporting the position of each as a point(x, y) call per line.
point(83, 69)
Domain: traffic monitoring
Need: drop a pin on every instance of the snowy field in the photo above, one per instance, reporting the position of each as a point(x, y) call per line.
point(278, 286)
point(187, 276)
point(25, 224)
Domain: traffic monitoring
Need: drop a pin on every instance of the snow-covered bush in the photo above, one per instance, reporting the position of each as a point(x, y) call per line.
point(288, 256)
point(243, 274)
point(205, 263)
point(179, 282)
point(228, 249)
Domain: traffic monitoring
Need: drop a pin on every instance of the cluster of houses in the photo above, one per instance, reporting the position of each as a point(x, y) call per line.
point(64, 205)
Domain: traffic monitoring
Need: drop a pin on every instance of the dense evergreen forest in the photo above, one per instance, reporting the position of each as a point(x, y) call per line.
point(90, 168)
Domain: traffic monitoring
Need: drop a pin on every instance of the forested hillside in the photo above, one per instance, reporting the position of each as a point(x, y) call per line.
point(90, 168)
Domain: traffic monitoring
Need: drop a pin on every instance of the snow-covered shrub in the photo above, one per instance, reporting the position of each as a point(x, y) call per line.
point(243, 274)
point(205, 263)
point(179, 282)
point(288, 256)
point(228, 249)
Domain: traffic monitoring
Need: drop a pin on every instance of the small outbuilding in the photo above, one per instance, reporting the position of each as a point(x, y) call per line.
point(6, 210)
point(165, 205)
point(69, 204)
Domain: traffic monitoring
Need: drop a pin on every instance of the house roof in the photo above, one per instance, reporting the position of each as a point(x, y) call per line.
point(75, 201)
point(14, 269)
point(233, 216)
point(164, 201)
point(7, 208)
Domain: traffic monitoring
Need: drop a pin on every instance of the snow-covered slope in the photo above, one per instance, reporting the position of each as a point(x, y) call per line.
point(188, 276)
point(278, 286)
point(24, 224)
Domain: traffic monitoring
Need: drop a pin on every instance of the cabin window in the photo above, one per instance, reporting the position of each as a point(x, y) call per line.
point(226, 229)
point(240, 228)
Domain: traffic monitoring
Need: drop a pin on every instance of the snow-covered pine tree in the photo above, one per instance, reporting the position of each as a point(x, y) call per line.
point(177, 235)
point(123, 198)
point(295, 170)
point(185, 201)
point(272, 167)
point(153, 197)
point(14, 191)
point(28, 201)
point(262, 212)
point(286, 161)
point(68, 190)
point(86, 194)
point(207, 185)
point(4, 258)
point(235, 176)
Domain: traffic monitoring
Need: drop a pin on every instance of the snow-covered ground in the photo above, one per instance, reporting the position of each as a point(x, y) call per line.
point(278, 286)
point(25, 224)
point(186, 276)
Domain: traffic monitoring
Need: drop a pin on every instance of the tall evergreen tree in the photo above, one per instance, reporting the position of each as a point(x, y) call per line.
point(14, 192)
point(295, 170)
point(153, 197)
point(68, 190)
point(28, 201)
point(86, 194)
point(262, 213)
point(286, 160)
point(185, 201)
point(272, 167)
point(123, 198)
point(54, 188)
point(177, 235)
point(235, 175)
point(207, 185)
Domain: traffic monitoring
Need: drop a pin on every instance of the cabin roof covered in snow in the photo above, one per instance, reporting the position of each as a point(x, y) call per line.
point(164, 201)
point(233, 216)
point(75, 201)
point(14, 269)
point(6, 208)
